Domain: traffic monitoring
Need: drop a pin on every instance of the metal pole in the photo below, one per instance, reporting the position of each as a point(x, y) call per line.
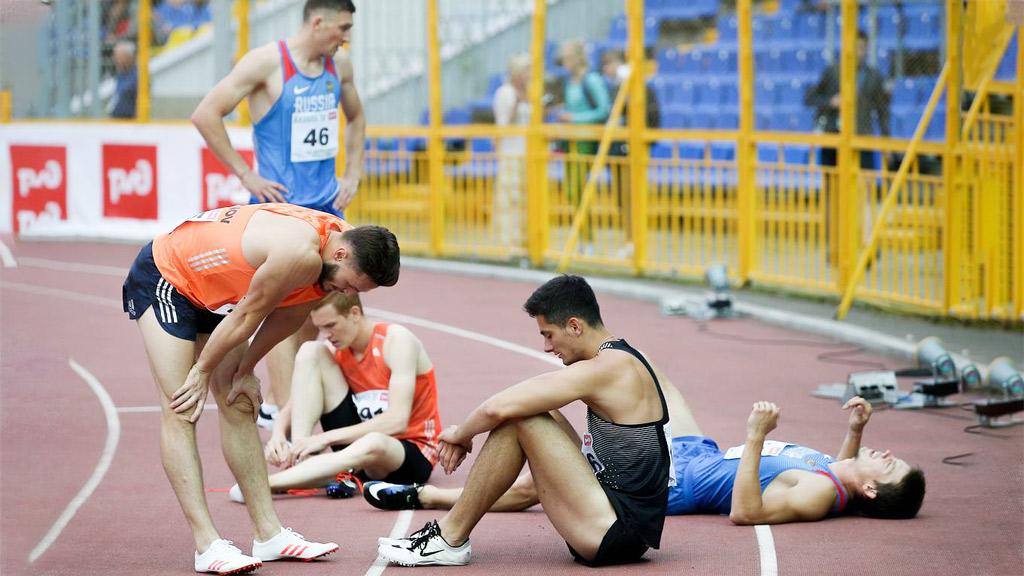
point(435, 146)
point(242, 7)
point(952, 166)
point(847, 191)
point(746, 193)
point(145, 23)
point(637, 127)
point(536, 157)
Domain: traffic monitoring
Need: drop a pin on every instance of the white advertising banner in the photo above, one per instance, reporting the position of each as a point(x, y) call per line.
point(112, 181)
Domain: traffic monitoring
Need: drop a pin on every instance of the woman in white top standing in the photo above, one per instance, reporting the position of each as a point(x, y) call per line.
point(511, 107)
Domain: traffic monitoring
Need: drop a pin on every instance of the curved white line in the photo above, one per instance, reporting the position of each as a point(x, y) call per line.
point(766, 549)
point(7, 257)
point(467, 334)
point(113, 435)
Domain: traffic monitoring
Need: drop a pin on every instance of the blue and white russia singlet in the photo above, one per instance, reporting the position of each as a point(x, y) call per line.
point(297, 141)
point(705, 475)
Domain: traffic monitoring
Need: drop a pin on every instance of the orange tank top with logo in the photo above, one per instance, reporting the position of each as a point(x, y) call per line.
point(368, 379)
point(202, 257)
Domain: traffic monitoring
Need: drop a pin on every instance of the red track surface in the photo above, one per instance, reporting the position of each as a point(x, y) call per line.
point(54, 430)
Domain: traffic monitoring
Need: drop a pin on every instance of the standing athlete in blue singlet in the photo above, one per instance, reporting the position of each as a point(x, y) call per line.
point(294, 88)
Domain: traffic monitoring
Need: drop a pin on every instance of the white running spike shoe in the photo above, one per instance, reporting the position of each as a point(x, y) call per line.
point(425, 547)
point(289, 544)
point(222, 557)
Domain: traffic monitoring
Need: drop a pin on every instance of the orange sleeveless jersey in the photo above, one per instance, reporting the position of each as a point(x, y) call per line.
point(202, 257)
point(368, 380)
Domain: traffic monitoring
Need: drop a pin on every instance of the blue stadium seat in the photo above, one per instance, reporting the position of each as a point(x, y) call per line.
point(723, 150)
point(705, 117)
point(763, 120)
point(710, 94)
point(796, 154)
point(669, 61)
point(619, 30)
point(663, 149)
point(810, 29)
point(785, 32)
point(730, 93)
point(483, 145)
point(889, 24)
point(728, 30)
point(923, 27)
point(905, 93)
point(727, 120)
point(691, 150)
point(696, 61)
point(456, 116)
point(674, 117)
point(765, 93)
point(1008, 65)
point(686, 93)
point(767, 153)
point(722, 61)
point(769, 61)
point(936, 130)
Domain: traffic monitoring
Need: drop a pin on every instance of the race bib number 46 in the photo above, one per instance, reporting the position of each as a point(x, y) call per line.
point(314, 135)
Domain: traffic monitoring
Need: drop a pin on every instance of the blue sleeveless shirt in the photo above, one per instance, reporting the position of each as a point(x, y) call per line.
point(305, 117)
point(705, 477)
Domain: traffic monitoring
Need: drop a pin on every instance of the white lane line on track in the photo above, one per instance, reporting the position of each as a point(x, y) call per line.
point(113, 435)
point(59, 293)
point(74, 267)
point(7, 257)
point(765, 541)
point(397, 531)
point(147, 409)
point(766, 548)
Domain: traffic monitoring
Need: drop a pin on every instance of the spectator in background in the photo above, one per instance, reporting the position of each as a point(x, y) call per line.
point(126, 81)
point(586, 102)
point(511, 107)
point(872, 103)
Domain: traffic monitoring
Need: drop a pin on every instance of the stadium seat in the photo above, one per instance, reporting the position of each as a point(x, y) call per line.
point(723, 150)
point(691, 150)
point(494, 81)
point(923, 27)
point(810, 29)
point(1008, 65)
point(670, 61)
point(728, 30)
point(796, 154)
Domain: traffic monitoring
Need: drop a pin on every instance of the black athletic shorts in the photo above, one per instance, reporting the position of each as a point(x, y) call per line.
point(620, 545)
point(145, 287)
point(415, 468)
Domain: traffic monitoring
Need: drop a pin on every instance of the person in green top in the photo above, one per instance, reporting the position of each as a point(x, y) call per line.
point(586, 101)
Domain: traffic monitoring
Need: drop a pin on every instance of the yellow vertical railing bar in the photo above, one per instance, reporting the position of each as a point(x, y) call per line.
point(988, 68)
point(596, 167)
point(638, 198)
point(746, 227)
point(890, 198)
point(242, 14)
point(435, 146)
point(846, 193)
point(5, 106)
point(1017, 229)
point(145, 26)
point(535, 159)
point(952, 166)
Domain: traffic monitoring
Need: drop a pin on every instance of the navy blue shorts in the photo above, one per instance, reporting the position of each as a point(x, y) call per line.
point(145, 287)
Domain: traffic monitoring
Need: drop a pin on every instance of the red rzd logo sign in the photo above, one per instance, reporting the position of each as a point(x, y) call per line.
point(220, 187)
point(39, 175)
point(129, 182)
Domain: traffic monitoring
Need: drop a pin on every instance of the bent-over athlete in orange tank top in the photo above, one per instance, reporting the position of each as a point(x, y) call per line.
point(368, 380)
point(202, 257)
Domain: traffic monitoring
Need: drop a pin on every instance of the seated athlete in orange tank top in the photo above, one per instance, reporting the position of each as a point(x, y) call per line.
point(372, 388)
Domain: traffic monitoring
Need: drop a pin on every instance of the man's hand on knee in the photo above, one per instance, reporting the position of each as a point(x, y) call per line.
point(248, 387)
point(189, 400)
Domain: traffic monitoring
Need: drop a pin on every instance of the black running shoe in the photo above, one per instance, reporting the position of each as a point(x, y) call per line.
point(388, 496)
